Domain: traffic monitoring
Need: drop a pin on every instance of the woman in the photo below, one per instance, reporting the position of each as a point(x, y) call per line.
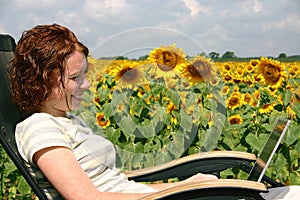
point(68, 161)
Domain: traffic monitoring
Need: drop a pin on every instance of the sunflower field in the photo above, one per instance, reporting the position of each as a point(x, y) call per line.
point(171, 105)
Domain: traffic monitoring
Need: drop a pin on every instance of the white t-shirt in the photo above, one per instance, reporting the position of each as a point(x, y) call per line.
point(95, 154)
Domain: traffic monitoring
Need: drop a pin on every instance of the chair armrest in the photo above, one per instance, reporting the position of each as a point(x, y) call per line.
point(207, 162)
point(212, 188)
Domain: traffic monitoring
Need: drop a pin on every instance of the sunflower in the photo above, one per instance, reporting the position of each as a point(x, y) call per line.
point(254, 63)
point(100, 119)
point(248, 79)
point(272, 71)
point(227, 77)
point(250, 68)
point(235, 119)
point(267, 108)
point(171, 107)
point(235, 100)
point(240, 70)
point(227, 67)
point(225, 90)
point(247, 97)
point(128, 74)
point(199, 70)
point(294, 70)
point(291, 113)
point(215, 81)
point(166, 60)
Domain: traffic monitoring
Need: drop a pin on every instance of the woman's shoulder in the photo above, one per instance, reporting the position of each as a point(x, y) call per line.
point(42, 118)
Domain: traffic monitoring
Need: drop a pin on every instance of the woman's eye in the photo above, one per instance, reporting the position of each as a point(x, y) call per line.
point(73, 78)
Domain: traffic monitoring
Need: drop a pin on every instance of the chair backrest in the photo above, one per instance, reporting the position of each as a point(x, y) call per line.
point(10, 115)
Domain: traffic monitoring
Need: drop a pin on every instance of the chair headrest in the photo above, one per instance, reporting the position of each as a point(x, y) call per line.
point(7, 43)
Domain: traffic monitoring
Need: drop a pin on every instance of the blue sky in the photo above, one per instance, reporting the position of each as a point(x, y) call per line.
point(131, 27)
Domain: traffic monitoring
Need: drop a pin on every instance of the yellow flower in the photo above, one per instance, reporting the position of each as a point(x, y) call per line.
point(254, 63)
point(171, 107)
point(247, 98)
point(100, 119)
point(240, 70)
point(250, 68)
point(225, 90)
point(291, 113)
point(227, 67)
point(165, 61)
point(272, 71)
point(199, 70)
point(253, 102)
point(256, 94)
point(267, 108)
point(128, 74)
point(235, 100)
point(235, 119)
point(227, 77)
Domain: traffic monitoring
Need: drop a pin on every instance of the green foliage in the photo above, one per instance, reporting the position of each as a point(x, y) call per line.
point(153, 124)
point(13, 185)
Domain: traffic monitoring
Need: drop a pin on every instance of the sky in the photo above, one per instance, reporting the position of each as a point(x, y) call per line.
point(133, 27)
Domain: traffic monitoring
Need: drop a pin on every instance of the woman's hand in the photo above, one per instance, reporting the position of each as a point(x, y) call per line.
point(200, 177)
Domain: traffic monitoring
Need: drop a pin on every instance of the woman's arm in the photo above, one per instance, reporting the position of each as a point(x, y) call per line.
point(196, 177)
point(62, 169)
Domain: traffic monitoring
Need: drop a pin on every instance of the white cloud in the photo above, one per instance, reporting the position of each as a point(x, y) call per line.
point(38, 4)
point(289, 23)
point(250, 7)
point(104, 9)
point(195, 8)
point(293, 22)
point(257, 6)
point(218, 25)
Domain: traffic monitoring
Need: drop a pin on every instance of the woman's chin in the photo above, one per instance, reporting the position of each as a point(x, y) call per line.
point(76, 102)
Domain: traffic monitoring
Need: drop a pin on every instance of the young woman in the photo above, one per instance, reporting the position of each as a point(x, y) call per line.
point(48, 78)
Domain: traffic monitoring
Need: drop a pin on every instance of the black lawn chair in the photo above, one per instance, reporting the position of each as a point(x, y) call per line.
point(211, 162)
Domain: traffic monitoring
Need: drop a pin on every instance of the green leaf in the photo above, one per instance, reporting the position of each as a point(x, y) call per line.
point(296, 108)
point(294, 178)
point(157, 89)
point(112, 134)
point(292, 134)
point(257, 142)
point(174, 97)
point(108, 110)
point(22, 186)
point(186, 121)
point(127, 125)
point(176, 146)
point(211, 138)
point(148, 130)
point(287, 97)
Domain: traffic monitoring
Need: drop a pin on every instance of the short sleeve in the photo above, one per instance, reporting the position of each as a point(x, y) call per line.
point(37, 132)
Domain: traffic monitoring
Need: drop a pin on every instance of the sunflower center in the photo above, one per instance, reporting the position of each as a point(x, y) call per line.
point(234, 101)
point(193, 71)
point(128, 74)
point(235, 121)
point(168, 61)
point(272, 74)
point(201, 69)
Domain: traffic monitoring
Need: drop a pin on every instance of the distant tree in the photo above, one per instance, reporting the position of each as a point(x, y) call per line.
point(202, 54)
point(228, 54)
point(282, 55)
point(143, 57)
point(121, 58)
point(214, 55)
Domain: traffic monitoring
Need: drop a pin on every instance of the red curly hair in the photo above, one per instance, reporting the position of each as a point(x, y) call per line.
point(39, 60)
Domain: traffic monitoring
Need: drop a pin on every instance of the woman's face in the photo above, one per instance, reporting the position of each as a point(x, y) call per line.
point(75, 83)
